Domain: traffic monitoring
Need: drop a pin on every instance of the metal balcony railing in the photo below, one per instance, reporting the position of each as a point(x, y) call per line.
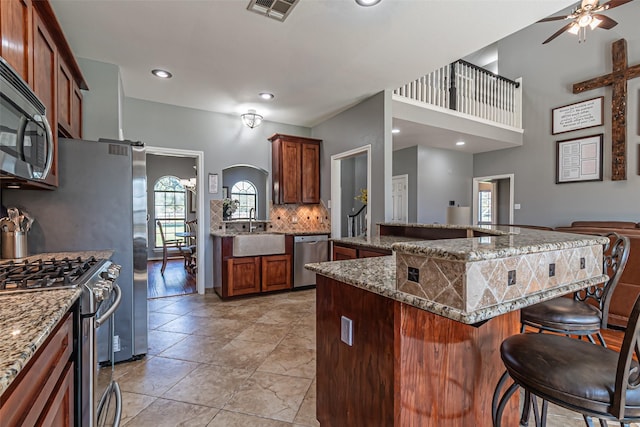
point(471, 90)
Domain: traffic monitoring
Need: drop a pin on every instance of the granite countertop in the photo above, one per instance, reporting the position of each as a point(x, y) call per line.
point(378, 275)
point(220, 233)
point(27, 318)
point(375, 242)
point(513, 241)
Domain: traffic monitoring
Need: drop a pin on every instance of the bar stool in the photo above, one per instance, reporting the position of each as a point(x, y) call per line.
point(574, 374)
point(588, 312)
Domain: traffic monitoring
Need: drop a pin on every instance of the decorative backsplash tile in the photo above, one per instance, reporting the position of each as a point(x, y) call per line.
point(282, 218)
point(474, 285)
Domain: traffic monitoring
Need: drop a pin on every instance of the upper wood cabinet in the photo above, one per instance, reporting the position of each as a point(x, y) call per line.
point(296, 169)
point(15, 30)
point(34, 45)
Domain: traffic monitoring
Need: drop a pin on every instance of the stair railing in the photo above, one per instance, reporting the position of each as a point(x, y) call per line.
point(357, 223)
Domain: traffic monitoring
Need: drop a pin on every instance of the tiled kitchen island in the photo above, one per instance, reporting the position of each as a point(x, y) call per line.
point(428, 321)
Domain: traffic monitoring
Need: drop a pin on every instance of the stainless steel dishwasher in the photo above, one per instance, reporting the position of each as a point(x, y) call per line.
point(308, 249)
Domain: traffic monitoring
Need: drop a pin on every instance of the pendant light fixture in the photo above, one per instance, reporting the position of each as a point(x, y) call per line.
point(252, 119)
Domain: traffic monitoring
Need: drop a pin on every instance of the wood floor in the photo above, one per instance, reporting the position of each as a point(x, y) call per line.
point(176, 280)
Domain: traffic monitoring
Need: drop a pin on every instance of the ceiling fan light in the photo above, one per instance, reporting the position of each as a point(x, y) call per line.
point(251, 119)
point(573, 29)
point(585, 20)
point(594, 23)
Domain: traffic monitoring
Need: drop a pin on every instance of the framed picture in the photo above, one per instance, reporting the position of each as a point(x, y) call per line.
point(579, 159)
point(193, 201)
point(581, 115)
point(225, 192)
point(213, 183)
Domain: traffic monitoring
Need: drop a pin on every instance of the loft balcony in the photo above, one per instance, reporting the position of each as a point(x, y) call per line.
point(459, 101)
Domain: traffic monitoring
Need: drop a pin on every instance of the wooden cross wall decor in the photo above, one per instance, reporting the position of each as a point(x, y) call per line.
point(618, 80)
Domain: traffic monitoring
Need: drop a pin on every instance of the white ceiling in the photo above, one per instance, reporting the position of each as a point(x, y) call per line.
point(327, 56)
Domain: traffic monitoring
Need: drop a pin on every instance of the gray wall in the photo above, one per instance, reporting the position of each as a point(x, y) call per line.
point(157, 167)
point(436, 176)
point(548, 72)
point(366, 123)
point(257, 177)
point(405, 162)
point(503, 193)
point(101, 103)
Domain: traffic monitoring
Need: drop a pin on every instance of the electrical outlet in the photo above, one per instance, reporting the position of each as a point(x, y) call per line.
point(294, 219)
point(511, 280)
point(116, 343)
point(552, 270)
point(413, 274)
point(583, 263)
point(346, 330)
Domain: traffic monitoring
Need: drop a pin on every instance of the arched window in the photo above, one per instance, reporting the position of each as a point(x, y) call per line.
point(169, 208)
point(245, 193)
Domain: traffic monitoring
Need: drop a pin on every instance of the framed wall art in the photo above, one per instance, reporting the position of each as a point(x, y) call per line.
point(580, 115)
point(579, 159)
point(213, 183)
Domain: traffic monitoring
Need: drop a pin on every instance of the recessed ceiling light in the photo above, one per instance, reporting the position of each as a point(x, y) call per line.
point(460, 143)
point(395, 130)
point(367, 3)
point(266, 95)
point(163, 74)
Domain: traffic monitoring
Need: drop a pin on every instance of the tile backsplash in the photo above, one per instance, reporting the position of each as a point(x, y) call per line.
point(282, 218)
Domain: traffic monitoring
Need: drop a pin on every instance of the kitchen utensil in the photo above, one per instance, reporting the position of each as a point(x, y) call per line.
point(14, 214)
point(26, 222)
point(7, 225)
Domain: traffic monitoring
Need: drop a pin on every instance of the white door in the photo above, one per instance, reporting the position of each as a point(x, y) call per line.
point(400, 198)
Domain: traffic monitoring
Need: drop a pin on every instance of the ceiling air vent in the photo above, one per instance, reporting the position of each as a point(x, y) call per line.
point(276, 9)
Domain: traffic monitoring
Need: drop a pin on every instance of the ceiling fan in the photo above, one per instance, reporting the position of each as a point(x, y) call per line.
point(587, 15)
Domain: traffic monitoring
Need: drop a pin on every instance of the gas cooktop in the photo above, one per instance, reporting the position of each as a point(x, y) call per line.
point(39, 274)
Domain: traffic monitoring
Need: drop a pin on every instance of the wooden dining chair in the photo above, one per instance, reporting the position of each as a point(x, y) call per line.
point(175, 247)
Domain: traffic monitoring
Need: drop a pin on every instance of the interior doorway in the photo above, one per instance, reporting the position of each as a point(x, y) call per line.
point(344, 180)
point(493, 200)
point(195, 203)
point(400, 198)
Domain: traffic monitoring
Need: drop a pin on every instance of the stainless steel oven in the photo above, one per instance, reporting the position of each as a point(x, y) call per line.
point(26, 140)
point(98, 401)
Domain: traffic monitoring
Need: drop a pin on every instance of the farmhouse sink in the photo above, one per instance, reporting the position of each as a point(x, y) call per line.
point(258, 244)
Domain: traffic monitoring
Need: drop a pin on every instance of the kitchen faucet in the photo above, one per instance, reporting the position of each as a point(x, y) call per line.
point(252, 216)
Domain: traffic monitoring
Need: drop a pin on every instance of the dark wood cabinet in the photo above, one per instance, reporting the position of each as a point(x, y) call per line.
point(276, 272)
point(296, 169)
point(43, 392)
point(243, 276)
point(341, 252)
point(236, 276)
point(15, 30)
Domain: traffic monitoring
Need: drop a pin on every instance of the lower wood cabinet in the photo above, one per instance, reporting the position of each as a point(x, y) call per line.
point(43, 392)
point(276, 272)
point(243, 276)
point(341, 252)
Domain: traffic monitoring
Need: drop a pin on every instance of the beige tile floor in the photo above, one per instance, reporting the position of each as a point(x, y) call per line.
point(246, 363)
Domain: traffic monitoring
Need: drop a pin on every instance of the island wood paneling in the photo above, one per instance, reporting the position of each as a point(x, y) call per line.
point(355, 384)
point(407, 367)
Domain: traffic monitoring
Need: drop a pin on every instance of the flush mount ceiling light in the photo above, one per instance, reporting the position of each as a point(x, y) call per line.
point(395, 130)
point(367, 3)
point(163, 74)
point(266, 95)
point(460, 143)
point(251, 119)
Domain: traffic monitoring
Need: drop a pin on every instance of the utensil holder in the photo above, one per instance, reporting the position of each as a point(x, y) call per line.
point(14, 244)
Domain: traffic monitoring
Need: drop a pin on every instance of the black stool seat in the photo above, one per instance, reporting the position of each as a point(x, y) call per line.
point(576, 374)
point(563, 314)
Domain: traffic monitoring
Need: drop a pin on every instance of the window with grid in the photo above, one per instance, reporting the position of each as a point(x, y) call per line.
point(484, 201)
point(245, 193)
point(169, 208)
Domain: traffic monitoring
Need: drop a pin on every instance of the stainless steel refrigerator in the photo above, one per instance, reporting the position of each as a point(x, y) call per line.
point(101, 203)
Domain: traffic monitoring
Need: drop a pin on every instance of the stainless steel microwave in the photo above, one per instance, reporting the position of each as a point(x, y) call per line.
point(26, 140)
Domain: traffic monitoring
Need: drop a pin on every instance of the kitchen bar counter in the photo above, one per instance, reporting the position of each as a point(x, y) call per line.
point(413, 339)
point(27, 319)
point(375, 242)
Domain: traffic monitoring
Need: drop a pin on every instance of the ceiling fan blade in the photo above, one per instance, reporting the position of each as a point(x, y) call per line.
point(614, 3)
point(607, 23)
point(557, 33)
point(553, 18)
